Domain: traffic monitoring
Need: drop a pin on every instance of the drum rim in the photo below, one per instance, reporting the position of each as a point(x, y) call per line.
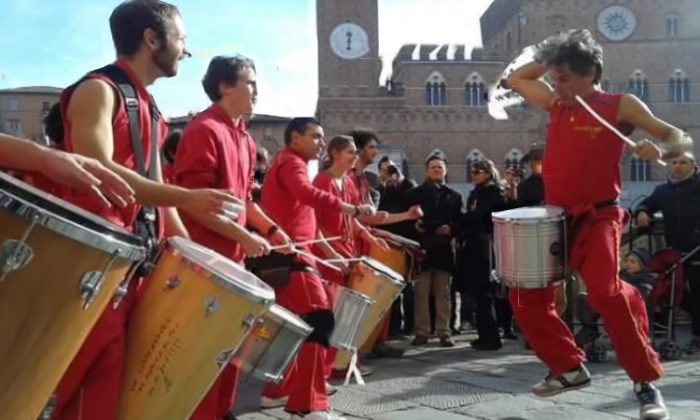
point(378, 266)
point(497, 218)
point(116, 241)
point(264, 294)
point(296, 320)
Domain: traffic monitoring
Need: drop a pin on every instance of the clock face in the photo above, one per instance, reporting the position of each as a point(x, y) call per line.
point(349, 41)
point(617, 23)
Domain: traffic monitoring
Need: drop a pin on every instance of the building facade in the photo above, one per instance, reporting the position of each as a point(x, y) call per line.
point(22, 110)
point(436, 97)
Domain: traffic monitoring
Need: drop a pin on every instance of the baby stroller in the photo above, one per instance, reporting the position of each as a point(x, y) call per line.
point(666, 296)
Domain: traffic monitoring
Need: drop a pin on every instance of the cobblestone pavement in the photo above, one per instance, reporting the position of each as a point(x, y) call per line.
point(462, 384)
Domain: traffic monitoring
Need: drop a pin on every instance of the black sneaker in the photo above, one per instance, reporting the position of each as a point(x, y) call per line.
point(651, 403)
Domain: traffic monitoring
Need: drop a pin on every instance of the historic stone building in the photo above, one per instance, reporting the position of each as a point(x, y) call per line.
point(22, 110)
point(436, 96)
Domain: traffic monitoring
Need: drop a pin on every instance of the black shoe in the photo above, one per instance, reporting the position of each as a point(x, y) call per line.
point(383, 350)
point(509, 335)
point(486, 345)
point(651, 403)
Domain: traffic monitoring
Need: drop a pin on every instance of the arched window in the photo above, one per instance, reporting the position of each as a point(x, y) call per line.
point(671, 26)
point(435, 90)
point(473, 157)
point(514, 159)
point(640, 170)
point(679, 87)
point(638, 85)
point(475, 91)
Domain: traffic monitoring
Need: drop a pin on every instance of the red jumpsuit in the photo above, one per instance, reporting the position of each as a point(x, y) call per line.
point(289, 198)
point(90, 388)
point(215, 153)
point(581, 172)
point(333, 224)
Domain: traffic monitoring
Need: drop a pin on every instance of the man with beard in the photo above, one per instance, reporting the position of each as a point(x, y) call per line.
point(149, 38)
point(70, 170)
point(290, 199)
point(216, 151)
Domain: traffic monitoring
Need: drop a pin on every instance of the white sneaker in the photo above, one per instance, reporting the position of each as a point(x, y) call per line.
point(266, 402)
point(552, 385)
point(318, 415)
point(331, 389)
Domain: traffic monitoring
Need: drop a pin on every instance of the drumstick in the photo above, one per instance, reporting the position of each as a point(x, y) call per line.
point(610, 126)
point(348, 260)
point(304, 243)
point(318, 260)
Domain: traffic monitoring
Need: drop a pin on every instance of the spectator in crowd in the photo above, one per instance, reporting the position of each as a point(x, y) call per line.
point(678, 200)
point(476, 254)
point(262, 163)
point(168, 151)
point(442, 208)
point(392, 187)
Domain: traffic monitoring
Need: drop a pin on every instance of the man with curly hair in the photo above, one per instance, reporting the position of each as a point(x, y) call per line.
point(581, 174)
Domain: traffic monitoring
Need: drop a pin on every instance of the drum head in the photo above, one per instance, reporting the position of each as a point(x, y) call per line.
point(224, 271)
point(530, 213)
point(67, 219)
point(381, 268)
point(289, 317)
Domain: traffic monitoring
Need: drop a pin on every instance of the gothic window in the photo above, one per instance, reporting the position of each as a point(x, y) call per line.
point(638, 86)
point(473, 157)
point(671, 26)
point(513, 159)
point(475, 91)
point(640, 170)
point(679, 87)
point(435, 90)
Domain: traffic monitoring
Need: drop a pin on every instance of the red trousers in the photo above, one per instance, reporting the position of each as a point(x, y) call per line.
point(305, 380)
point(220, 398)
point(595, 255)
point(90, 388)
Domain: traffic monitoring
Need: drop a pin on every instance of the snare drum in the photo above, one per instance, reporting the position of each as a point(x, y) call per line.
point(530, 246)
point(381, 284)
point(350, 313)
point(272, 345)
point(195, 310)
point(59, 269)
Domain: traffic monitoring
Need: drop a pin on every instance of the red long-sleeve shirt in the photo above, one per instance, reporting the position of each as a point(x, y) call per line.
point(215, 153)
point(332, 222)
point(289, 198)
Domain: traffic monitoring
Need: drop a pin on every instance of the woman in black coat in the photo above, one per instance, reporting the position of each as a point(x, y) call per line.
point(475, 254)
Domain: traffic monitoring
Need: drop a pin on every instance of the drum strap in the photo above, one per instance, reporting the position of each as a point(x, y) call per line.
point(145, 223)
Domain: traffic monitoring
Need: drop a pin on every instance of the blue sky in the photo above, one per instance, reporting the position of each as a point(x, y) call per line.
point(54, 42)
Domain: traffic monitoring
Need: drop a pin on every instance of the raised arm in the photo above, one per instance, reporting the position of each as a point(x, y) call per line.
point(527, 82)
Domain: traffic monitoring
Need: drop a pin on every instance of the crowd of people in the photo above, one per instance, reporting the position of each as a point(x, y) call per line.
point(106, 168)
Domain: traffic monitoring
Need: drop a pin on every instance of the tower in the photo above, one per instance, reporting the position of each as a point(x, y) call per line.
point(348, 48)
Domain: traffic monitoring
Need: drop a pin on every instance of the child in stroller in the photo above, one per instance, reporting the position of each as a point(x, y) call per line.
point(634, 271)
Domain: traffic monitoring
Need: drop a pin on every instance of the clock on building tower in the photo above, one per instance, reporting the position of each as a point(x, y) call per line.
point(617, 23)
point(349, 41)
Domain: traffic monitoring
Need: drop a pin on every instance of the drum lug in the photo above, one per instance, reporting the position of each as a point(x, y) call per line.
point(250, 321)
point(211, 305)
point(91, 282)
point(173, 282)
point(14, 254)
point(90, 285)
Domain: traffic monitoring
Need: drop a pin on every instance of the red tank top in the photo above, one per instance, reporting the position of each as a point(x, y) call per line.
point(123, 151)
point(581, 163)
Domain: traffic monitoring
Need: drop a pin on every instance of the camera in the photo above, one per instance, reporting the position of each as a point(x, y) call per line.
point(393, 170)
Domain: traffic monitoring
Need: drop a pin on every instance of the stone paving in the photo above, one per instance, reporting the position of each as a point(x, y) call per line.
point(462, 384)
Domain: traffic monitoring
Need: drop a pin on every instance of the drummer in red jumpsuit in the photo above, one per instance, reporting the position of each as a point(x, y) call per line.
point(290, 199)
point(335, 178)
point(96, 125)
point(581, 174)
point(216, 151)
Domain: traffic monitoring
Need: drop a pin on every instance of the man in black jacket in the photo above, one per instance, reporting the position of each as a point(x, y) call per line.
point(442, 208)
point(679, 202)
